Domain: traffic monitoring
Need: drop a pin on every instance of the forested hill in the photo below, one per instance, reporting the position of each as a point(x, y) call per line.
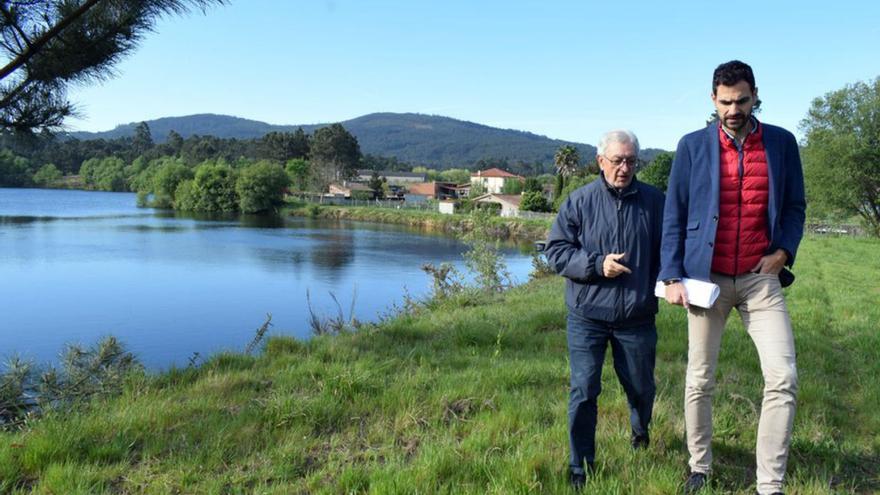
point(439, 142)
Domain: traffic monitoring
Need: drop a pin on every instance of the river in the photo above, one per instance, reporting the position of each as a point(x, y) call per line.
point(78, 265)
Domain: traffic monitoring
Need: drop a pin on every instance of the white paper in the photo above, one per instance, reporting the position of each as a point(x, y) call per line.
point(699, 293)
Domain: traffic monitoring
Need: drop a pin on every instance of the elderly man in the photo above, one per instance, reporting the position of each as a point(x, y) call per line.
point(735, 216)
point(606, 243)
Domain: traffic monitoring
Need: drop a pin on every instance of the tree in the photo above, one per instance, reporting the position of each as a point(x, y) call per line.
point(657, 172)
point(260, 187)
point(534, 201)
point(168, 176)
point(376, 184)
point(558, 186)
point(430, 173)
point(299, 171)
point(174, 143)
point(284, 146)
point(842, 153)
point(212, 190)
point(532, 184)
point(391, 163)
point(104, 174)
point(566, 160)
point(456, 175)
point(142, 140)
point(14, 170)
point(512, 186)
point(50, 44)
point(477, 189)
point(334, 154)
point(47, 175)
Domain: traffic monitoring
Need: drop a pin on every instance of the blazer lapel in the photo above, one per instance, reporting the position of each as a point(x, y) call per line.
point(775, 177)
point(714, 167)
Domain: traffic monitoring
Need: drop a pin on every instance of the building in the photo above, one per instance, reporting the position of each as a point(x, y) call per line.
point(509, 202)
point(493, 179)
point(345, 189)
point(431, 190)
point(446, 207)
point(393, 178)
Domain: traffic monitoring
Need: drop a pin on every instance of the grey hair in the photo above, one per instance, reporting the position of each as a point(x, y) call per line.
point(622, 136)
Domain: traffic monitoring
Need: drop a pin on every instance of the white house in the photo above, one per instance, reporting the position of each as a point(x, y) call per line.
point(493, 180)
point(509, 202)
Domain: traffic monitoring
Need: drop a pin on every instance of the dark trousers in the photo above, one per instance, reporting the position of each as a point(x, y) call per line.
point(634, 351)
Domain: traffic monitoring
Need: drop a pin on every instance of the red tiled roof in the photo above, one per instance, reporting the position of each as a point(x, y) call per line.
point(422, 188)
point(494, 172)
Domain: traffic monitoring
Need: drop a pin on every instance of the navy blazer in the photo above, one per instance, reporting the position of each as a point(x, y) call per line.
point(690, 216)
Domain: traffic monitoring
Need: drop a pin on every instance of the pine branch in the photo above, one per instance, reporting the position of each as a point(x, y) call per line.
point(40, 42)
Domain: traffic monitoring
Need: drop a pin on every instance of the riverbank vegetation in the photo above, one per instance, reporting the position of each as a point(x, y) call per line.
point(467, 394)
point(428, 220)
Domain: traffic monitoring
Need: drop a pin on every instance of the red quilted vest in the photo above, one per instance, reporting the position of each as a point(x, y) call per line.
point(742, 236)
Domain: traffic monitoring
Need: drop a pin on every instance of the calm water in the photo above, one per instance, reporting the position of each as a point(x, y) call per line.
point(76, 266)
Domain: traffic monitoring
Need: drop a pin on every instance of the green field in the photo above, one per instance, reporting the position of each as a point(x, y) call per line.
point(469, 396)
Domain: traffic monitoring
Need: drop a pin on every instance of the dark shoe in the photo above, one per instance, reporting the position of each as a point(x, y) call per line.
point(577, 480)
point(694, 483)
point(639, 441)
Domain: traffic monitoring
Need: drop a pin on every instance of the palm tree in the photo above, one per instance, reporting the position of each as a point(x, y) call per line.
point(566, 160)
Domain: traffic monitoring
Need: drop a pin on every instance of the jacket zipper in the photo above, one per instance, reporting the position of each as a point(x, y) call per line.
point(739, 199)
point(619, 250)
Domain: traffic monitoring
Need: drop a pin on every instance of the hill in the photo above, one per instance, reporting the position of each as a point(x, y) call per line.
point(434, 141)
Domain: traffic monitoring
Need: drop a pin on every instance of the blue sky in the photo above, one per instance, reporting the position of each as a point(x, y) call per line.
point(567, 70)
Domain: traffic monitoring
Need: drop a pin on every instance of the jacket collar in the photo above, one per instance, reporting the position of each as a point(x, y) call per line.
point(629, 190)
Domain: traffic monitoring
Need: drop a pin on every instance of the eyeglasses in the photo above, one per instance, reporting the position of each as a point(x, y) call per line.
point(632, 161)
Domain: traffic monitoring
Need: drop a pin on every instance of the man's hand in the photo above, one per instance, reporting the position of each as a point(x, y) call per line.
point(772, 263)
point(611, 268)
point(677, 294)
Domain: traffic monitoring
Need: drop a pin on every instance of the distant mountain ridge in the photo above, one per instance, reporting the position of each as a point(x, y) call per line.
point(434, 141)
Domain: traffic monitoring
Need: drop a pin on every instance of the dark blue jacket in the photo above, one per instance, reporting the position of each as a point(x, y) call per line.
point(594, 221)
point(691, 213)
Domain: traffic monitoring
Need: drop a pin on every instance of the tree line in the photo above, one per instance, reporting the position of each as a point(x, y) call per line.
point(200, 173)
point(840, 151)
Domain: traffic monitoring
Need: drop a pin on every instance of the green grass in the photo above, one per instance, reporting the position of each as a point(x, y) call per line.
point(469, 396)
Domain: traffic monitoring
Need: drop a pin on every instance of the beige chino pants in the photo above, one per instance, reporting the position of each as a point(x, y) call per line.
point(760, 303)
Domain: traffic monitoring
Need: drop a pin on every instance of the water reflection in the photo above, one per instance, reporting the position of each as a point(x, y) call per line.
point(76, 266)
point(334, 251)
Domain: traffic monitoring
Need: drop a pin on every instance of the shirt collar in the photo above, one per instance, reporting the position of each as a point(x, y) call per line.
point(755, 124)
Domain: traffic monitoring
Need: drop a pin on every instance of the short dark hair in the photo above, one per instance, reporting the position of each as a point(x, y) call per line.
point(732, 72)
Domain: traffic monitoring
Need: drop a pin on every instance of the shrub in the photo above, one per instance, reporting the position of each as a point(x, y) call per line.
point(534, 201)
point(185, 196)
point(104, 174)
point(483, 258)
point(165, 181)
point(260, 187)
point(47, 175)
point(362, 195)
point(212, 190)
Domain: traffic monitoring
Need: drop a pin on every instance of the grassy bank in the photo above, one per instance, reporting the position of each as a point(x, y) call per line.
point(469, 396)
point(430, 221)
